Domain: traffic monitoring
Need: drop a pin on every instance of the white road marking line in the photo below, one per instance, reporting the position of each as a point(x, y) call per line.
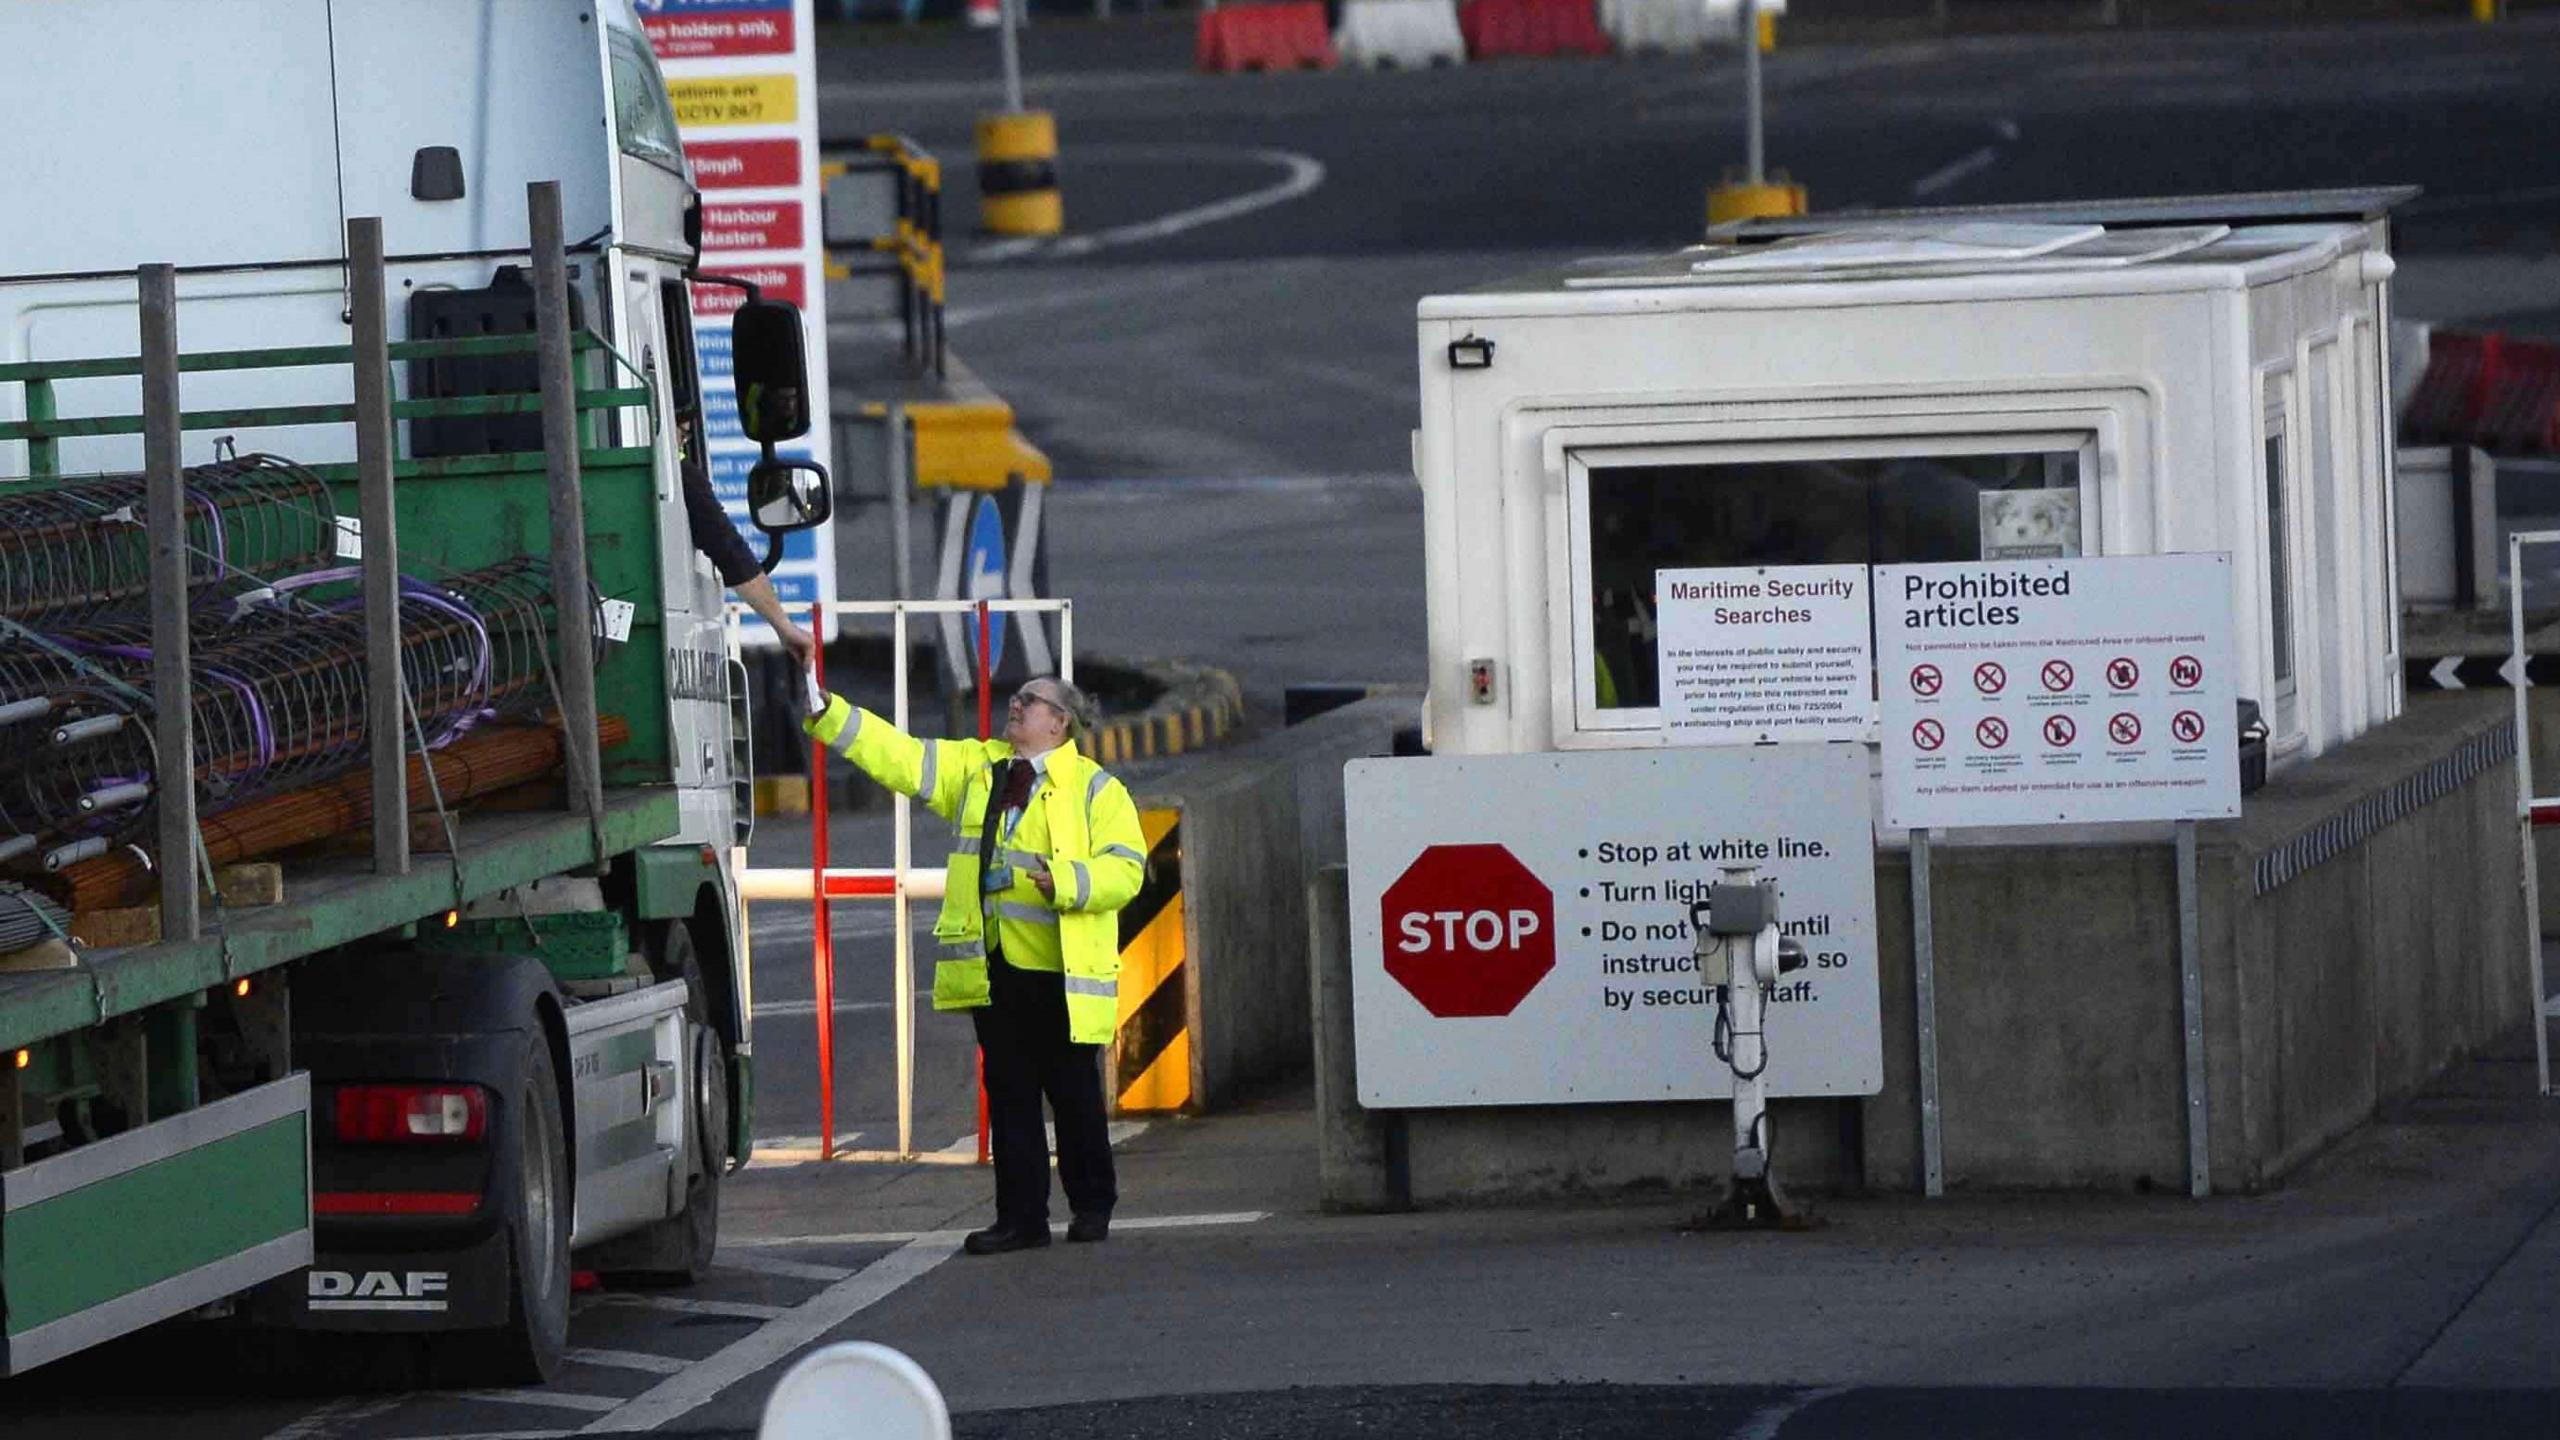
point(997, 251)
point(788, 1269)
point(724, 1309)
point(800, 1142)
point(902, 1237)
point(779, 1009)
point(1948, 174)
point(330, 1419)
point(2004, 131)
point(803, 1150)
point(543, 1398)
point(1120, 1130)
point(1766, 1424)
point(1305, 173)
point(677, 1395)
point(499, 1435)
point(628, 1360)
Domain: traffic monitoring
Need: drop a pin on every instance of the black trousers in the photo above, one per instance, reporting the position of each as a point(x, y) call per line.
point(1023, 1032)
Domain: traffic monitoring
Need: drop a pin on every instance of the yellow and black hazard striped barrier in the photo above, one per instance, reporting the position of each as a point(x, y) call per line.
point(1018, 174)
point(1199, 704)
point(1148, 1065)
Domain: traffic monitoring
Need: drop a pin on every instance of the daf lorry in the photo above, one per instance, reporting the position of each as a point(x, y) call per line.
point(452, 1052)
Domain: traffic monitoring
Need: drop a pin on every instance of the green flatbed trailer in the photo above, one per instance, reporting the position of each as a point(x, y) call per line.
point(133, 1191)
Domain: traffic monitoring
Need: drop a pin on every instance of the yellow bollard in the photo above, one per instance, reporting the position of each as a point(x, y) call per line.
point(1769, 29)
point(1018, 174)
point(1735, 200)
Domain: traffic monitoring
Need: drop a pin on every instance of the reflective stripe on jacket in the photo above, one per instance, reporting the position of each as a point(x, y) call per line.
point(1081, 821)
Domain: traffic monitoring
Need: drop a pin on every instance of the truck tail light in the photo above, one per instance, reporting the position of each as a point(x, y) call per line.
point(412, 1114)
point(338, 1203)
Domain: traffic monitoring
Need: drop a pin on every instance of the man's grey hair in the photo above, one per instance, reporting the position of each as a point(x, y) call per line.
point(1082, 714)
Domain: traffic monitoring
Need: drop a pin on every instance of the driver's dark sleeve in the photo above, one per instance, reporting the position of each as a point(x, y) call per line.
point(713, 535)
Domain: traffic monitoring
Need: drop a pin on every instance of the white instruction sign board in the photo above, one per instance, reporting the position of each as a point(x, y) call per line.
point(1520, 923)
point(1751, 655)
point(2040, 692)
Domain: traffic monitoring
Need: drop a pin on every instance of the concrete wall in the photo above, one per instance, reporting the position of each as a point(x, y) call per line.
point(2362, 928)
point(1256, 818)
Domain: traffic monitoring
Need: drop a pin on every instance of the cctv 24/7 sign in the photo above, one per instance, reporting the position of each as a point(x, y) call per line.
point(1520, 924)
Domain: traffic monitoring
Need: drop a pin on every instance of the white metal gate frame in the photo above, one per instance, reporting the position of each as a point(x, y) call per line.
point(2531, 813)
point(900, 883)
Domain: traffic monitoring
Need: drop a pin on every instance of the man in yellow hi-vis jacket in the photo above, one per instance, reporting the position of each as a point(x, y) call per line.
point(1045, 849)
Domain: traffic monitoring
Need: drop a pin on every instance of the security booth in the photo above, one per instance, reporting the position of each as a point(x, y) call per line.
point(2105, 378)
point(2165, 426)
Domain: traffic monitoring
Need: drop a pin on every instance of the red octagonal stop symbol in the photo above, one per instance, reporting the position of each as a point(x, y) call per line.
point(1468, 930)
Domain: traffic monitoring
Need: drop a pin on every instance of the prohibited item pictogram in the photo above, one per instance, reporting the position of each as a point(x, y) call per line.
point(2125, 729)
point(1989, 677)
point(1928, 734)
point(2057, 675)
point(1925, 679)
point(2059, 731)
point(2187, 725)
point(2186, 672)
point(2123, 674)
point(1992, 731)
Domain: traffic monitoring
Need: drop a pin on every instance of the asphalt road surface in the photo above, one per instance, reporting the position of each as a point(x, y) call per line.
point(1220, 357)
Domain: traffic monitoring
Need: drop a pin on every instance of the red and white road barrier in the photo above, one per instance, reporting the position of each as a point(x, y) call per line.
point(822, 883)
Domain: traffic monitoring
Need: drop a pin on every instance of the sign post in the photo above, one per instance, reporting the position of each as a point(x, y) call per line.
point(742, 76)
point(2092, 690)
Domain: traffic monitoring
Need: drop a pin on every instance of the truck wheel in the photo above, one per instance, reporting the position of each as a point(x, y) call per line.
point(678, 1250)
point(528, 1349)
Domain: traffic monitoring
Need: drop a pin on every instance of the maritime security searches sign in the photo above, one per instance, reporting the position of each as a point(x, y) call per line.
point(2042, 692)
point(1767, 653)
point(1520, 926)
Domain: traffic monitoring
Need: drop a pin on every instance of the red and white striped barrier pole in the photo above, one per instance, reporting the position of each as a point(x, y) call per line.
point(822, 956)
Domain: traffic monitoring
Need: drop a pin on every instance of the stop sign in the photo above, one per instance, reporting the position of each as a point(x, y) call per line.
point(1468, 930)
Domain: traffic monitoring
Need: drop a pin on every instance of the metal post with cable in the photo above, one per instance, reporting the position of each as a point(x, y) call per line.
point(1754, 195)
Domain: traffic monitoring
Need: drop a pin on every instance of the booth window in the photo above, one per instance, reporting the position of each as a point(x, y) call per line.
point(2279, 562)
point(1898, 503)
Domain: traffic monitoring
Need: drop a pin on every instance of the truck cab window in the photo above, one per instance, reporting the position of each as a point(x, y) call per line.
point(684, 381)
point(644, 124)
point(1877, 509)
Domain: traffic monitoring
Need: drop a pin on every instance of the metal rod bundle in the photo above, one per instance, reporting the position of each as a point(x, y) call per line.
point(279, 698)
point(71, 553)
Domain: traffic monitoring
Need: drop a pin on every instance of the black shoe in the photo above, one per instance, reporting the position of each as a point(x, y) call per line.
point(998, 1238)
point(1087, 1229)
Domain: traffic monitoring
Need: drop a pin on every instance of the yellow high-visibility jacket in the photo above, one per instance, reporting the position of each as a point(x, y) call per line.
point(1081, 822)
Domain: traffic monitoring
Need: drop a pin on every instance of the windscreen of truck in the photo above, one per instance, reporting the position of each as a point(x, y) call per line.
point(1943, 499)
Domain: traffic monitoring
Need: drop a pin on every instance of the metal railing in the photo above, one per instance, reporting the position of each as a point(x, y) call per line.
point(881, 215)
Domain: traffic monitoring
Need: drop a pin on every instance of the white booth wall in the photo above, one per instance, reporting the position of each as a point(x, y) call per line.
point(2169, 380)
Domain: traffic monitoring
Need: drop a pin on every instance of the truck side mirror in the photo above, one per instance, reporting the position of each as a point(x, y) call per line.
point(785, 495)
point(772, 371)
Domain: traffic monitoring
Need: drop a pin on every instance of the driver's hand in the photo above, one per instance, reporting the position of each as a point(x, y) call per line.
point(802, 645)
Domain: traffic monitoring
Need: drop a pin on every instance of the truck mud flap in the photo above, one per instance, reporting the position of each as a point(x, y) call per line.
point(155, 1222)
point(464, 1288)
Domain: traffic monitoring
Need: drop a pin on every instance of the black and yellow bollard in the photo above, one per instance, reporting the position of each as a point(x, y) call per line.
point(1018, 174)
